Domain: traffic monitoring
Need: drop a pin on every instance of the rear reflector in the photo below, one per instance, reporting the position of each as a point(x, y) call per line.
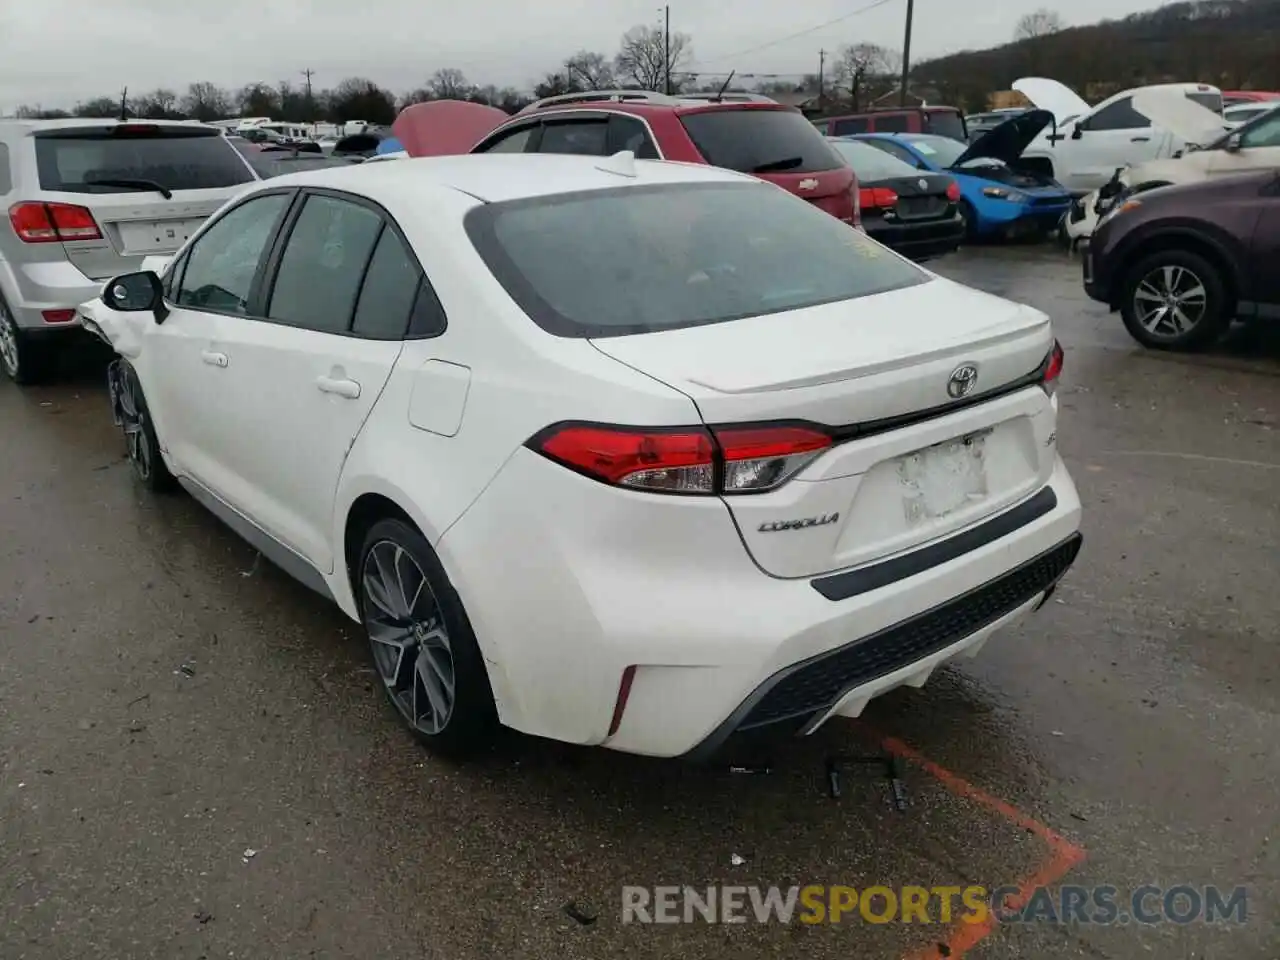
point(58, 316)
point(953, 191)
point(52, 223)
point(877, 197)
point(684, 460)
point(624, 693)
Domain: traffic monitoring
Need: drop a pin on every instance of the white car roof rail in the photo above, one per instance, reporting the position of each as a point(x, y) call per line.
point(605, 96)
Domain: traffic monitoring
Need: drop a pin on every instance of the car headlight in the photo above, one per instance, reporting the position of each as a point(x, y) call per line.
point(1118, 209)
point(1001, 193)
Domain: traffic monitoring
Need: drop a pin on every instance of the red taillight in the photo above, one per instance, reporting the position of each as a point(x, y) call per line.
point(58, 316)
point(136, 128)
point(953, 192)
point(624, 694)
point(877, 197)
point(1053, 368)
point(684, 460)
point(52, 223)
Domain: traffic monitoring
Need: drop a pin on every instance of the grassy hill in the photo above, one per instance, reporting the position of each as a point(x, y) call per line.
point(1234, 44)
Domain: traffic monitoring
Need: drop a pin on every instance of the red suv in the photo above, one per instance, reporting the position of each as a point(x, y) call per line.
point(748, 133)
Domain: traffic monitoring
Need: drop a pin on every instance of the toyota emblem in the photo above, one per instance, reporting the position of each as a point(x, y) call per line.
point(923, 183)
point(962, 381)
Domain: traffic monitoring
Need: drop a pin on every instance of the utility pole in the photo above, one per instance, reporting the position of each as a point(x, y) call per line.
point(666, 48)
point(906, 54)
point(309, 73)
point(822, 66)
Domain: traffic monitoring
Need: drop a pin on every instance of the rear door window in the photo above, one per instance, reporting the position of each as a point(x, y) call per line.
point(760, 141)
point(86, 160)
point(628, 133)
point(589, 137)
point(389, 290)
point(893, 123)
point(944, 123)
point(850, 125)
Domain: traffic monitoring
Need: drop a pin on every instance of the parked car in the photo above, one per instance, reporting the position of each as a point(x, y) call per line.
point(1180, 263)
point(938, 121)
point(87, 199)
point(981, 123)
point(1233, 98)
point(916, 215)
point(999, 197)
point(665, 382)
point(760, 137)
point(1225, 152)
point(1088, 144)
point(1241, 113)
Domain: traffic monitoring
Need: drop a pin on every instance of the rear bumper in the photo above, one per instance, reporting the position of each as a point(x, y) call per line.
point(32, 289)
point(919, 240)
point(714, 645)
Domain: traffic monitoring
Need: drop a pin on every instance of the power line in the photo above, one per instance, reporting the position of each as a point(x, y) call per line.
point(803, 33)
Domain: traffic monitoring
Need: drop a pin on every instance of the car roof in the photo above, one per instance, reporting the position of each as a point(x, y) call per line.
point(493, 178)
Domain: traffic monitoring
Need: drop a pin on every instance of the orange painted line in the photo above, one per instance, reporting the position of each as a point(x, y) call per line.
point(1063, 854)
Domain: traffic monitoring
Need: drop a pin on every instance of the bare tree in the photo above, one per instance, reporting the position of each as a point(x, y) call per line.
point(206, 101)
point(861, 68)
point(590, 70)
point(642, 57)
point(98, 107)
point(449, 83)
point(1039, 23)
point(157, 105)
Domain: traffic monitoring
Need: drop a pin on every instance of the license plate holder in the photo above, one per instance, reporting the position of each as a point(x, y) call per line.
point(939, 480)
point(155, 236)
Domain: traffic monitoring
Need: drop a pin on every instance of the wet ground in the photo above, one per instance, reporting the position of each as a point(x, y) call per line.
point(168, 706)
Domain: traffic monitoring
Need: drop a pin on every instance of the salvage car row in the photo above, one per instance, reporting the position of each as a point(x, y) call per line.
point(500, 409)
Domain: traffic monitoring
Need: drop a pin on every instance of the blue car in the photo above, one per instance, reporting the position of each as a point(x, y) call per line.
point(997, 199)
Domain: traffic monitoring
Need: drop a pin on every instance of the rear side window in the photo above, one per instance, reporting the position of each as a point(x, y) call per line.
point(323, 264)
point(642, 259)
point(759, 141)
point(177, 158)
point(893, 123)
point(1210, 101)
point(944, 123)
point(852, 125)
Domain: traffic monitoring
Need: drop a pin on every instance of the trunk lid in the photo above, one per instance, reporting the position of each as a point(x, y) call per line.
point(920, 197)
point(922, 464)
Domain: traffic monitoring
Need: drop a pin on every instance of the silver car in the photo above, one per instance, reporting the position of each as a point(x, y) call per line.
point(87, 200)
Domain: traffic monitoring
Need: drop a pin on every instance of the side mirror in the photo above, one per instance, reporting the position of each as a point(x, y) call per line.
point(1077, 132)
point(1234, 143)
point(135, 293)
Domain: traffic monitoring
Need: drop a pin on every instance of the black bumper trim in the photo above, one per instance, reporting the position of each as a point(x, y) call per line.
point(797, 694)
point(842, 586)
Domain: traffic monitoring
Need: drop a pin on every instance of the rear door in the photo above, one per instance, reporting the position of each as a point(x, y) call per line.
point(1114, 137)
point(148, 186)
point(777, 145)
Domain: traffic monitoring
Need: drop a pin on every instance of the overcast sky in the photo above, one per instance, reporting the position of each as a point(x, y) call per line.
point(55, 52)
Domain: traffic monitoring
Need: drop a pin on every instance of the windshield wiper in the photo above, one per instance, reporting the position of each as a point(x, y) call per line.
point(790, 163)
point(159, 188)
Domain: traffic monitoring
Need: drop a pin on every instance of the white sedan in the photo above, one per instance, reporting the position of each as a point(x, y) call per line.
point(635, 454)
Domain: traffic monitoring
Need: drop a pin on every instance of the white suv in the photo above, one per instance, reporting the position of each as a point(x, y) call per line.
point(83, 200)
point(611, 451)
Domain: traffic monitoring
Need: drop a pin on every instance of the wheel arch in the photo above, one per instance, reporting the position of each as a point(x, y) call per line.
point(1192, 241)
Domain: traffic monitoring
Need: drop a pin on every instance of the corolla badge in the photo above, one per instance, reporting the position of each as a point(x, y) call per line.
point(810, 184)
point(962, 381)
point(804, 523)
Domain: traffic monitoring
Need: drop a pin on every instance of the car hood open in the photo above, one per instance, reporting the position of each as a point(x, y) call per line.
point(1007, 141)
point(1184, 118)
point(1063, 102)
point(443, 128)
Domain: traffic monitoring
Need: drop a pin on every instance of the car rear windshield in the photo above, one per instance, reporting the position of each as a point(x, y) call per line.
point(176, 158)
point(944, 123)
point(642, 259)
point(755, 140)
point(870, 163)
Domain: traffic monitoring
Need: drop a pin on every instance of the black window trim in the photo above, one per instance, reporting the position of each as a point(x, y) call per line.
point(273, 237)
point(570, 114)
point(265, 281)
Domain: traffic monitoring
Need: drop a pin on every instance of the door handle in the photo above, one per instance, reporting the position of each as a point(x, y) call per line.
point(1139, 139)
point(342, 388)
point(214, 359)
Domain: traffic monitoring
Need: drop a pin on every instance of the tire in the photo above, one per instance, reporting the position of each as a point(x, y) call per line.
point(970, 221)
point(141, 444)
point(1206, 317)
point(25, 361)
point(420, 639)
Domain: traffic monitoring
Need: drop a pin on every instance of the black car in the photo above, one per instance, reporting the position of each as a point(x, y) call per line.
point(916, 213)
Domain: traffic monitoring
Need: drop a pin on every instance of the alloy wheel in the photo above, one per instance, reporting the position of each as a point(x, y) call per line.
point(134, 418)
point(411, 646)
point(1170, 301)
point(8, 343)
